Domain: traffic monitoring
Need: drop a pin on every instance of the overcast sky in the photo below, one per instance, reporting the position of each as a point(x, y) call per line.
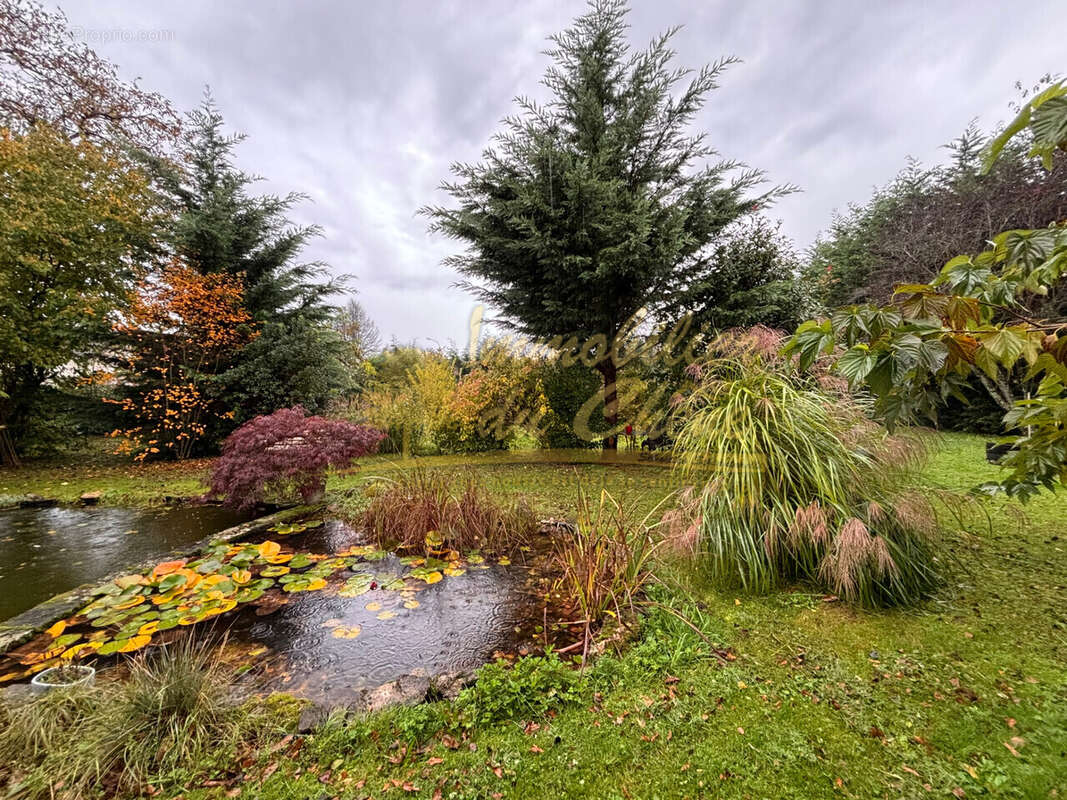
point(363, 105)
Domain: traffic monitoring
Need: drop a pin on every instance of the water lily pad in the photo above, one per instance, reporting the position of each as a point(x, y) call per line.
point(434, 539)
point(356, 585)
point(269, 549)
point(454, 572)
point(79, 650)
point(176, 580)
point(374, 605)
point(248, 594)
point(274, 571)
point(387, 614)
point(288, 530)
point(343, 632)
point(57, 628)
point(208, 567)
point(301, 560)
point(166, 568)
point(305, 584)
point(426, 575)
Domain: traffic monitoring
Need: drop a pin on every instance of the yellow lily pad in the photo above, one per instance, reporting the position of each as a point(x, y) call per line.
point(343, 632)
point(57, 629)
point(134, 643)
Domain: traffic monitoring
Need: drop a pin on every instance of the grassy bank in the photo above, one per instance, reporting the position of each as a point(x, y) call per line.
point(965, 696)
point(962, 697)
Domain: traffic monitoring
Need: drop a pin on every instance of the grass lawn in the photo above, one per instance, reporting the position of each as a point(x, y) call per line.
point(965, 696)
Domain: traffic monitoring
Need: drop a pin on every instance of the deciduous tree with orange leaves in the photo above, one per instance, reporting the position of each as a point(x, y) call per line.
point(181, 330)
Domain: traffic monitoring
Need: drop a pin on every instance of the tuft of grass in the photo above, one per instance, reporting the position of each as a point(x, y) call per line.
point(606, 562)
point(426, 510)
point(173, 717)
point(794, 482)
point(173, 707)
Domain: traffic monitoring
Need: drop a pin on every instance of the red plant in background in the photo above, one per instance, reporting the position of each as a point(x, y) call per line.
point(287, 451)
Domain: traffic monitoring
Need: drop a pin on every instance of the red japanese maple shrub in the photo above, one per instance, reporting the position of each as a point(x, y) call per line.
point(284, 453)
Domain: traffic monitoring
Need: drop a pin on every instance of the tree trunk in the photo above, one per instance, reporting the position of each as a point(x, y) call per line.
point(609, 373)
point(8, 456)
point(999, 390)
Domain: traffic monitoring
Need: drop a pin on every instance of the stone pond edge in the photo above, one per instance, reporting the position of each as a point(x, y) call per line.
point(23, 627)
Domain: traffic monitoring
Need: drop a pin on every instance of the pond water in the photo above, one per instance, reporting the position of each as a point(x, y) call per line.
point(46, 551)
point(454, 625)
point(309, 608)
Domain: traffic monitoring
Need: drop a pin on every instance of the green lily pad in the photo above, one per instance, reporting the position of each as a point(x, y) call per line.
point(248, 594)
point(356, 585)
point(172, 581)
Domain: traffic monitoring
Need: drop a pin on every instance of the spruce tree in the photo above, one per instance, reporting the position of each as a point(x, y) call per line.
point(598, 202)
point(221, 226)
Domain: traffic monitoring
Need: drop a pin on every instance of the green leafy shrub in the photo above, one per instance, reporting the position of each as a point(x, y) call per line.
point(525, 690)
point(793, 482)
point(567, 389)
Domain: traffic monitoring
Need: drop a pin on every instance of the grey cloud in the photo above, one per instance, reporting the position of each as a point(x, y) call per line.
point(364, 105)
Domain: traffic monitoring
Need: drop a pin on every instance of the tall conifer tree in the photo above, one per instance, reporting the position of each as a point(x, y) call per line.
point(599, 202)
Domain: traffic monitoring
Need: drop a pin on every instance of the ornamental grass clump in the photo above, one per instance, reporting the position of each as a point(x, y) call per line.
point(605, 562)
point(174, 717)
point(427, 511)
point(793, 482)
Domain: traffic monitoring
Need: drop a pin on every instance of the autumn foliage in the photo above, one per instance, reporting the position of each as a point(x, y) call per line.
point(285, 452)
point(181, 328)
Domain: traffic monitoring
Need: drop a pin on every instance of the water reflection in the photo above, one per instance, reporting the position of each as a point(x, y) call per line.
point(47, 551)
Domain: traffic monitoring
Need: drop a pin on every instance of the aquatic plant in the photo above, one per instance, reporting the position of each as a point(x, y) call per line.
point(286, 452)
point(605, 562)
point(435, 511)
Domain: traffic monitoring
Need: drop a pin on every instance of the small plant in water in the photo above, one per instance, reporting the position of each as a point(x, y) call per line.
point(605, 563)
point(430, 511)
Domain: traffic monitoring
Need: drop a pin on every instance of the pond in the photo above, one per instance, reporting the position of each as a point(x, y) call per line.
point(46, 551)
point(311, 608)
point(327, 647)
